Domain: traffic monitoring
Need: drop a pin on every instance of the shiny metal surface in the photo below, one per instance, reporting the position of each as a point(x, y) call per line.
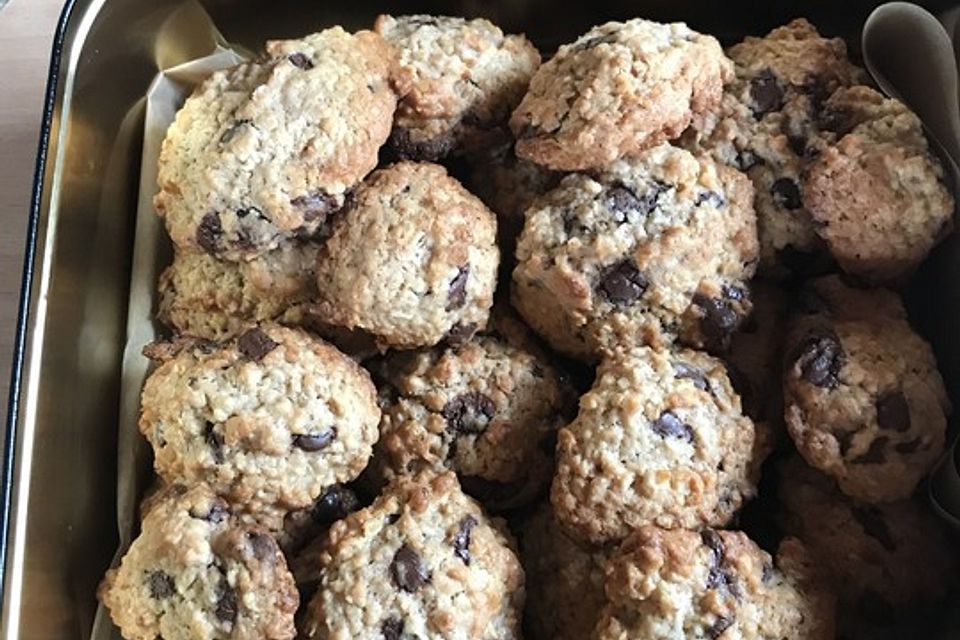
point(61, 526)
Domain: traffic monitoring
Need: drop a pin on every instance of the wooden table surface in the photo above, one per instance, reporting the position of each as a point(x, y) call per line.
point(26, 33)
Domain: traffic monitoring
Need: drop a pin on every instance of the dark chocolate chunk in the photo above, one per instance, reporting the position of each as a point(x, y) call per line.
point(232, 131)
point(254, 344)
point(209, 232)
point(712, 198)
point(469, 412)
point(216, 514)
point(215, 441)
point(161, 585)
point(696, 376)
point(250, 211)
point(875, 454)
point(457, 295)
point(621, 201)
point(820, 357)
point(262, 545)
point(459, 334)
point(721, 624)
point(669, 425)
point(315, 205)
point(336, 503)
point(392, 629)
point(786, 193)
point(227, 604)
point(893, 412)
point(590, 43)
point(300, 60)
point(311, 442)
point(622, 283)
point(766, 93)
point(875, 526)
point(718, 322)
point(407, 570)
point(461, 540)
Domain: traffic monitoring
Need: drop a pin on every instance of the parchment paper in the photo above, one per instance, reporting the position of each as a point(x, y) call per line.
point(908, 51)
point(151, 254)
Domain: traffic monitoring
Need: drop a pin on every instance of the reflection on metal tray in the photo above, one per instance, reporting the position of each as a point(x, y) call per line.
point(59, 475)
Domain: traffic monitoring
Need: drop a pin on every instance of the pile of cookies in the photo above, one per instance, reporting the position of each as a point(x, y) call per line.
point(391, 408)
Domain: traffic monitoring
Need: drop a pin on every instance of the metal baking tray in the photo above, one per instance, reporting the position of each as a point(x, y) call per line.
point(58, 494)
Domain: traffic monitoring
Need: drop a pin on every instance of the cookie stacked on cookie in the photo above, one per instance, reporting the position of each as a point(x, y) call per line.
point(553, 400)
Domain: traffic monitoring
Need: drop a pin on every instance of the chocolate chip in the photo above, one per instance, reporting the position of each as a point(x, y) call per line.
point(215, 441)
point(835, 119)
point(718, 322)
point(668, 425)
point(907, 447)
point(407, 570)
point(718, 577)
point(392, 629)
point(590, 43)
point(683, 370)
point(232, 131)
point(250, 211)
point(315, 205)
point(621, 201)
point(216, 514)
point(875, 454)
point(712, 198)
point(227, 606)
point(875, 526)
point(461, 541)
point(311, 442)
point(255, 344)
point(714, 542)
point(209, 232)
point(721, 624)
point(766, 93)
point(786, 193)
point(161, 585)
point(820, 357)
point(469, 412)
point(263, 546)
point(336, 503)
point(457, 295)
point(300, 60)
point(622, 283)
point(392, 518)
point(893, 412)
point(459, 334)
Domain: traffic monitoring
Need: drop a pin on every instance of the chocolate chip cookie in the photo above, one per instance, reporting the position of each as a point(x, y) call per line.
point(422, 562)
point(488, 409)
point(899, 553)
point(877, 196)
point(564, 580)
point(196, 572)
point(413, 259)
point(464, 78)
point(270, 420)
point(767, 126)
point(263, 152)
point(204, 297)
point(650, 248)
point(713, 584)
point(619, 88)
point(864, 401)
point(660, 439)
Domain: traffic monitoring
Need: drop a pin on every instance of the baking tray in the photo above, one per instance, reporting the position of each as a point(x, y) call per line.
point(58, 493)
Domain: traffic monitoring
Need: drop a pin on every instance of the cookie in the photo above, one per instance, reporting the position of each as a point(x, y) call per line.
point(204, 297)
point(270, 420)
point(488, 410)
point(195, 572)
point(618, 89)
point(464, 78)
point(422, 562)
point(660, 439)
point(509, 185)
point(713, 584)
point(265, 151)
point(754, 361)
point(650, 248)
point(768, 126)
point(877, 196)
point(412, 260)
point(864, 402)
point(897, 552)
point(564, 580)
